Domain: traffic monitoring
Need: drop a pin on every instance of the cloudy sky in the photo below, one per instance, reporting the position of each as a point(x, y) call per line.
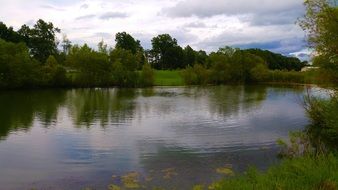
point(204, 24)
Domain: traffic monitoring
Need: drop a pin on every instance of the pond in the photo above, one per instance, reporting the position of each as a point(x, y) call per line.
point(166, 137)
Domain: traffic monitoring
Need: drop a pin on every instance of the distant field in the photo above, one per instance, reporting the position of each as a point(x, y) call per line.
point(168, 78)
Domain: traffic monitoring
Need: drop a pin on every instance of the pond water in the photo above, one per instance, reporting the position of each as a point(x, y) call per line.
point(168, 137)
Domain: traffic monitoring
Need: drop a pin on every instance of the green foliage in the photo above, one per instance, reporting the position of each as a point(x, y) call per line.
point(124, 65)
point(230, 65)
point(233, 65)
point(125, 57)
point(276, 61)
point(165, 53)
point(286, 77)
point(201, 57)
point(292, 174)
point(259, 73)
point(324, 117)
point(299, 145)
point(94, 67)
point(328, 71)
point(321, 25)
point(53, 73)
point(8, 34)
point(127, 42)
point(189, 56)
point(17, 69)
point(147, 76)
point(41, 39)
point(123, 77)
point(196, 75)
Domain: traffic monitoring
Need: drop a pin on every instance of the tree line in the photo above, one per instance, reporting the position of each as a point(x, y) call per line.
point(34, 57)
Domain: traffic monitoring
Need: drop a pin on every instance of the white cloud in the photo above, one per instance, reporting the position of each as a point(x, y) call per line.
point(203, 24)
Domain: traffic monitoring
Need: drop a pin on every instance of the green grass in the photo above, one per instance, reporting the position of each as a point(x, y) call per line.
point(168, 78)
point(299, 173)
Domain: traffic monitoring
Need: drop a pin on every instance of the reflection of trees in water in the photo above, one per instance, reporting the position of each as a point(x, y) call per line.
point(19, 109)
point(231, 100)
point(90, 106)
point(86, 106)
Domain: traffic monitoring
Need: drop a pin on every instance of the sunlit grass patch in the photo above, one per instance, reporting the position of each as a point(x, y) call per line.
point(168, 78)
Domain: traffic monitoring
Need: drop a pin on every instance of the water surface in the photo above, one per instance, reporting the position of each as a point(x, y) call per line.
point(72, 139)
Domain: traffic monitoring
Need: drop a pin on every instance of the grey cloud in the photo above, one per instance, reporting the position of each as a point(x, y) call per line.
point(281, 18)
point(63, 2)
point(262, 12)
point(103, 35)
point(302, 56)
point(84, 6)
point(195, 25)
point(202, 8)
point(182, 36)
point(51, 7)
point(85, 17)
point(30, 23)
point(112, 15)
point(284, 46)
point(80, 28)
point(282, 39)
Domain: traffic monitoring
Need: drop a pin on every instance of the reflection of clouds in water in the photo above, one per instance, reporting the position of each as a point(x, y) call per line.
point(193, 122)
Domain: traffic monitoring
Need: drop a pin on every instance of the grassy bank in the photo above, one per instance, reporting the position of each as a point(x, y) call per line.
point(168, 78)
point(298, 173)
point(175, 78)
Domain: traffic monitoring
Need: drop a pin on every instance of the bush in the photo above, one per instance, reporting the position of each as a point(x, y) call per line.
point(53, 73)
point(259, 73)
point(197, 75)
point(94, 67)
point(147, 76)
point(286, 77)
point(17, 68)
point(324, 118)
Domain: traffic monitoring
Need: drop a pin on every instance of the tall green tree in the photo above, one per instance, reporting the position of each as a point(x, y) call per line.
point(201, 57)
point(41, 39)
point(189, 56)
point(126, 41)
point(17, 68)
point(124, 65)
point(8, 34)
point(232, 65)
point(321, 25)
point(94, 67)
point(166, 53)
point(53, 73)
